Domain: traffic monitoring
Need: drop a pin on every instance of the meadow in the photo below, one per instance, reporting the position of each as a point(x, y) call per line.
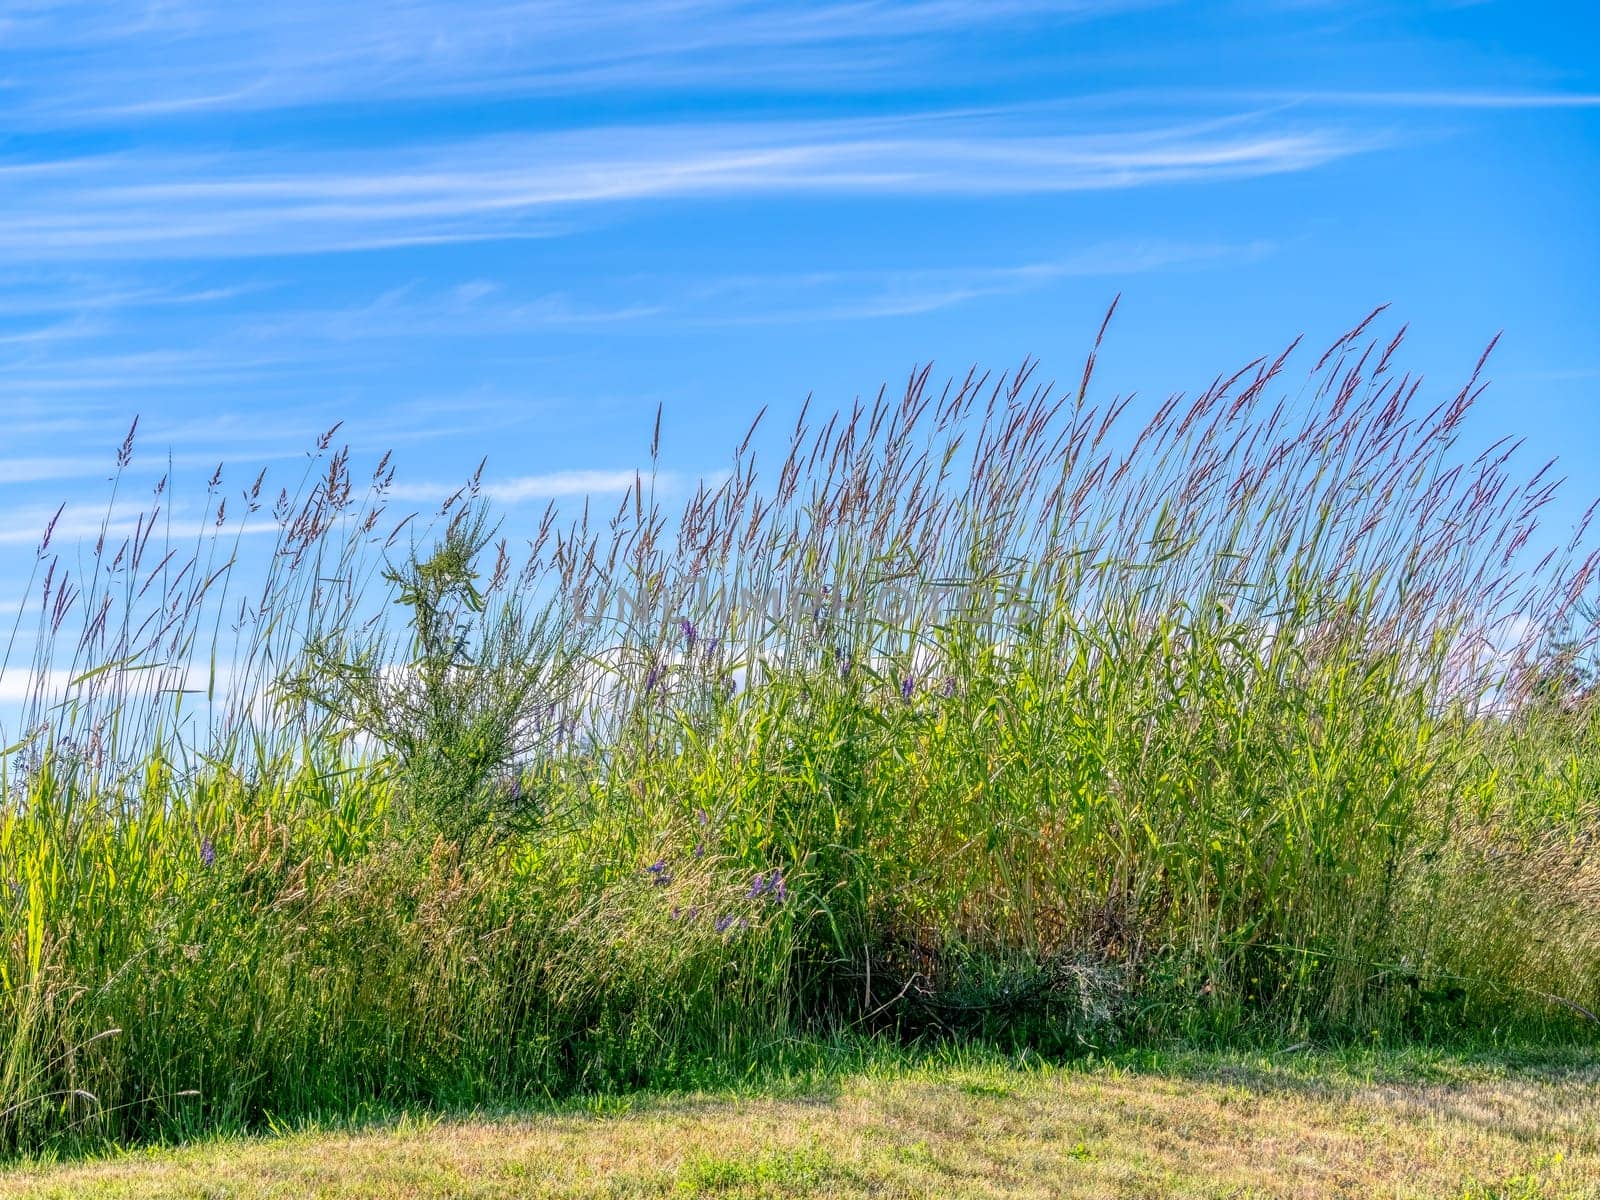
point(981, 716)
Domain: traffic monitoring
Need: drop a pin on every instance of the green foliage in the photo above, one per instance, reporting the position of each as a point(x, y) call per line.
point(1059, 735)
point(474, 696)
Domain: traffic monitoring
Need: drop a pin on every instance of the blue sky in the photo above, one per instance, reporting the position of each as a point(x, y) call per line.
point(515, 227)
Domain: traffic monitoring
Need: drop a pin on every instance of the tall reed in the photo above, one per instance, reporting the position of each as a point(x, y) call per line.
point(985, 712)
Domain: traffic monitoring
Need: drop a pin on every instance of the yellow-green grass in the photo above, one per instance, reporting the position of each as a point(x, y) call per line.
point(1213, 1126)
point(987, 717)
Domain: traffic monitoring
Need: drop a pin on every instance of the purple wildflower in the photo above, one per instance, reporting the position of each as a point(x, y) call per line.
point(907, 686)
point(656, 672)
point(759, 886)
point(723, 923)
point(208, 853)
point(699, 849)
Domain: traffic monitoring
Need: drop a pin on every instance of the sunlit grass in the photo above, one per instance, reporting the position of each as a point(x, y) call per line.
point(1181, 1125)
point(981, 715)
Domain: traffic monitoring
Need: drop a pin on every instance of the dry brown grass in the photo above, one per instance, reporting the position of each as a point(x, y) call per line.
point(1231, 1128)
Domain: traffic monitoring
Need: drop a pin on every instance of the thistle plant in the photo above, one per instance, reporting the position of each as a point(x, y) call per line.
point(466, 705)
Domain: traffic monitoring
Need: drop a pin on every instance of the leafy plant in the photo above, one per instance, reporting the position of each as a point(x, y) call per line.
point(468, 703)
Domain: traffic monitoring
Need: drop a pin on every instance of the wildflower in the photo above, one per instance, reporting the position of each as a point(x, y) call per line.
point(702, 816)
point(723, 923)
point(659, 873)
point(690, 634)
point(656, 673)
point(756, 888)
point(907, 686)
point(777, 889)
point(699, 850)
point(208, 853)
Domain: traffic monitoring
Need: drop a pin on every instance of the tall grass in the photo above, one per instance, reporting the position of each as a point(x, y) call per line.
point(983, 713)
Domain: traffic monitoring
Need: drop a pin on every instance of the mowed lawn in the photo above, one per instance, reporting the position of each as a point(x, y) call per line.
point(1187, 1125)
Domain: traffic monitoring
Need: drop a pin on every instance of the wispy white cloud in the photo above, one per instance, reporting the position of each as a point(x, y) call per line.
point(113, 371)
point(85, 523)
point(75, 328)
point(236, 443)
point(863, 295)
point(475, 309)
point(40, 294)
point(19, 685)
point(1423, 98)
point(556, 485)
point(84, 396)
point(149, 205)
point(76, 62)
point(482, 308)
point(81, 60)
point(41, 469)
point(23, 522)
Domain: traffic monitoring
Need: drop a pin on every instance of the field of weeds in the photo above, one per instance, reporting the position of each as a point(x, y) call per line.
point(980, 716)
